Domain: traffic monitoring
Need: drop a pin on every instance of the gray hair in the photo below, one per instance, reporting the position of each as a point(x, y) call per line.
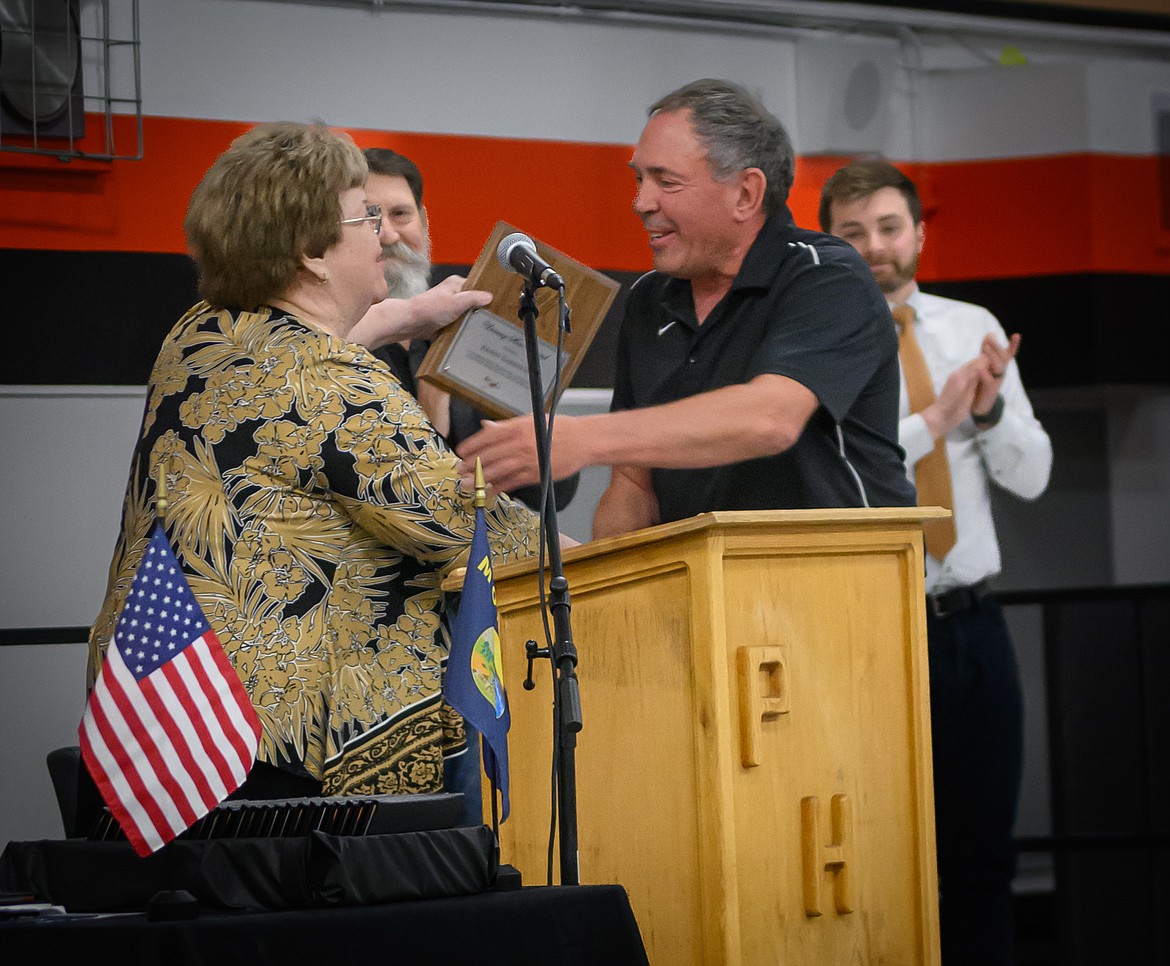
point(738, 133)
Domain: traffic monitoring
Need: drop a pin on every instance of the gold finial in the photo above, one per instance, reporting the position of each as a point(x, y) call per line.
point(160, 499)
point(480, 485)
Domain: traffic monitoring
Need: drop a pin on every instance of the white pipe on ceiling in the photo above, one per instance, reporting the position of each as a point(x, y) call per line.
point(784, 16)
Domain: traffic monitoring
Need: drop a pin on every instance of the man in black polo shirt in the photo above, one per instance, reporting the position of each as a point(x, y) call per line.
point(757, 365)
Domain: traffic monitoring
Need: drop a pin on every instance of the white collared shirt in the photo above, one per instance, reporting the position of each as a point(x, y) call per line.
point(1015, 454)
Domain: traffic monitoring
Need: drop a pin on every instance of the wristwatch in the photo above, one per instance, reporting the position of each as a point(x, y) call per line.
point(992, 416)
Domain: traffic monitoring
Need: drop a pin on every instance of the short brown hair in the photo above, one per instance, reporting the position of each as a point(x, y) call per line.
point(268, 200)
point(860, 180)
point(391, 163)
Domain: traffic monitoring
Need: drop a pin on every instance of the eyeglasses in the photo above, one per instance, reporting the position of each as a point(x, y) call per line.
point(373, 215)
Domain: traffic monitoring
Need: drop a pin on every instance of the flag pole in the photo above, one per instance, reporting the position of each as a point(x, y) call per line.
point(160, 499)
point(480, 485)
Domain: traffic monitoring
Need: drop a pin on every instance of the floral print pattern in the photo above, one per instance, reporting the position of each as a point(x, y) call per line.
point(314, 510)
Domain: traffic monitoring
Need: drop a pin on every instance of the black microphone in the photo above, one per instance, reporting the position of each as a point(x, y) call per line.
point(517, 253)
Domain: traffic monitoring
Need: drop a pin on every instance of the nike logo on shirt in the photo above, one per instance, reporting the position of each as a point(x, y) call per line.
point(667, 326)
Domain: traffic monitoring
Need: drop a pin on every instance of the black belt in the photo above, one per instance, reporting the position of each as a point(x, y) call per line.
point(953, 601)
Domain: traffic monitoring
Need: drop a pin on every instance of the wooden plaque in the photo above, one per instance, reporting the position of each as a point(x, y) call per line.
point(481, 357)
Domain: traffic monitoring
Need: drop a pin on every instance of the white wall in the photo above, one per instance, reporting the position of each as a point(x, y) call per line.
point(41, 702)
point(66, 457)
point(502, 76)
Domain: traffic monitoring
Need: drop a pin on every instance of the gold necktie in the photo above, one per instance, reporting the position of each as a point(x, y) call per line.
point(932, 473)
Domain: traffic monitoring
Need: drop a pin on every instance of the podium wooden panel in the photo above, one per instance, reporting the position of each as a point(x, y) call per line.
point(794, 639)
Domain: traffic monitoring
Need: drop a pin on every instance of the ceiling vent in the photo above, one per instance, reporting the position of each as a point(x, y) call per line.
point(843, 92)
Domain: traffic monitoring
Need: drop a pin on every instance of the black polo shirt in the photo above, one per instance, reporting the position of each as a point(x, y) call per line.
point(804, 305)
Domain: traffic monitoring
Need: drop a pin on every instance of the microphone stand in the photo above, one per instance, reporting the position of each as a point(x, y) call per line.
point(567, 697)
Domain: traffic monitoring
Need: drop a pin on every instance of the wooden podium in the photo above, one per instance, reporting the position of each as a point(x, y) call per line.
point(754, 765)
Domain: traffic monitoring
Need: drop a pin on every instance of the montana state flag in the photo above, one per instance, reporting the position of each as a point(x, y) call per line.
point(474, 685)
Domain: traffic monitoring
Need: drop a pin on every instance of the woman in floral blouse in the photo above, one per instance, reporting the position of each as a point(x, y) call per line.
point(312, 506)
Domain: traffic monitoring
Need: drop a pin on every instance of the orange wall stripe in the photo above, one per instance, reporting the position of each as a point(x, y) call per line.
point(1016, 217)
point(134, 206)
point(574, 197)
point(1004, 218)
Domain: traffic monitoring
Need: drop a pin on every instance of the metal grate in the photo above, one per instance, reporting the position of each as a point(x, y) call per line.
point(70, 79)
point(296, 817)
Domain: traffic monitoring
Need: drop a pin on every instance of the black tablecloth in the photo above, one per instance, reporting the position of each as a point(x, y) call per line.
point(537, 925)
point(256, 875)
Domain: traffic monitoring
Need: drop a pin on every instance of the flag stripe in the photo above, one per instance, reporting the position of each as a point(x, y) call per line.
point(210, 722)
point(224, 707)
point(129, 768)
point(112, 783)
point(146, 716)
point(237, 707)
point(197, 706)
point(192, 774)
point(115, 789)
point(147, 759)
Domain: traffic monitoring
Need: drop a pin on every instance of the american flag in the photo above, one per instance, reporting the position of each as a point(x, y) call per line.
point(169, 731)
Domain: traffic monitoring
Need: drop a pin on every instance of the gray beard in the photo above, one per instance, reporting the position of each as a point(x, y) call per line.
point(407, 272)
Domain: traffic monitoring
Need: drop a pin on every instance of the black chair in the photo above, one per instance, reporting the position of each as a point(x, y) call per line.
point(77, 796)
